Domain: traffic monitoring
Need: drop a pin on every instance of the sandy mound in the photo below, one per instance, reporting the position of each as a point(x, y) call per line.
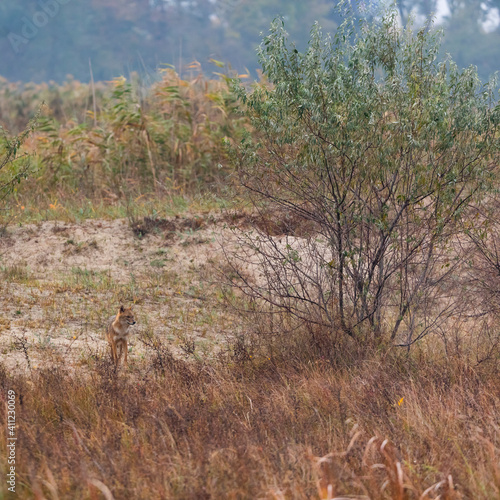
point(60, 281)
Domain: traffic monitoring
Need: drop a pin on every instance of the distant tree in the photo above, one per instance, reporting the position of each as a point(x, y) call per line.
point(467, 39)
point(120, 37)
point(422, 8)
point(245, 20)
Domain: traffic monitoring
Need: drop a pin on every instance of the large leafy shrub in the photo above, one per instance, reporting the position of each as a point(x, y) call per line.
point(381, 148)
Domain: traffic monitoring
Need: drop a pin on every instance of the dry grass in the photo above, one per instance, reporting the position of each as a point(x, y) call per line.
point(149, 143)
point(215, 404)
point(385, 428)
point(204, 413)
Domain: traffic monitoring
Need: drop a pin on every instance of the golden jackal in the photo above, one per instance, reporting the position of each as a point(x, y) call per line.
point(117, 332)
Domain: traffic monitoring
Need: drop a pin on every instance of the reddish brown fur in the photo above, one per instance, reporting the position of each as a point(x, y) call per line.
point(117, 333)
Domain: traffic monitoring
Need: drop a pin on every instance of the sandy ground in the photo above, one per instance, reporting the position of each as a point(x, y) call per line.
point(60, 281)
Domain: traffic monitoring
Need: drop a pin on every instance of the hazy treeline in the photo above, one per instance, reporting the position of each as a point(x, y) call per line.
point(49, 39)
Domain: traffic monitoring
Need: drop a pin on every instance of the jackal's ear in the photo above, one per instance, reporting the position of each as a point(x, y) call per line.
point(122, 309)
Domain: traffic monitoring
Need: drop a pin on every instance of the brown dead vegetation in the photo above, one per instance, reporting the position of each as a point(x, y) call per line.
point(252, 414)
point(259, 428)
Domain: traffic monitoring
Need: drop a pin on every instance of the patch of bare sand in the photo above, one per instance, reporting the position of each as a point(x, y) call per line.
point(60, 281)
point(96, 245)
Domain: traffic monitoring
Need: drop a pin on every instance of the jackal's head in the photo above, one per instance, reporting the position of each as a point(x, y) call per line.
point(126, 316)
